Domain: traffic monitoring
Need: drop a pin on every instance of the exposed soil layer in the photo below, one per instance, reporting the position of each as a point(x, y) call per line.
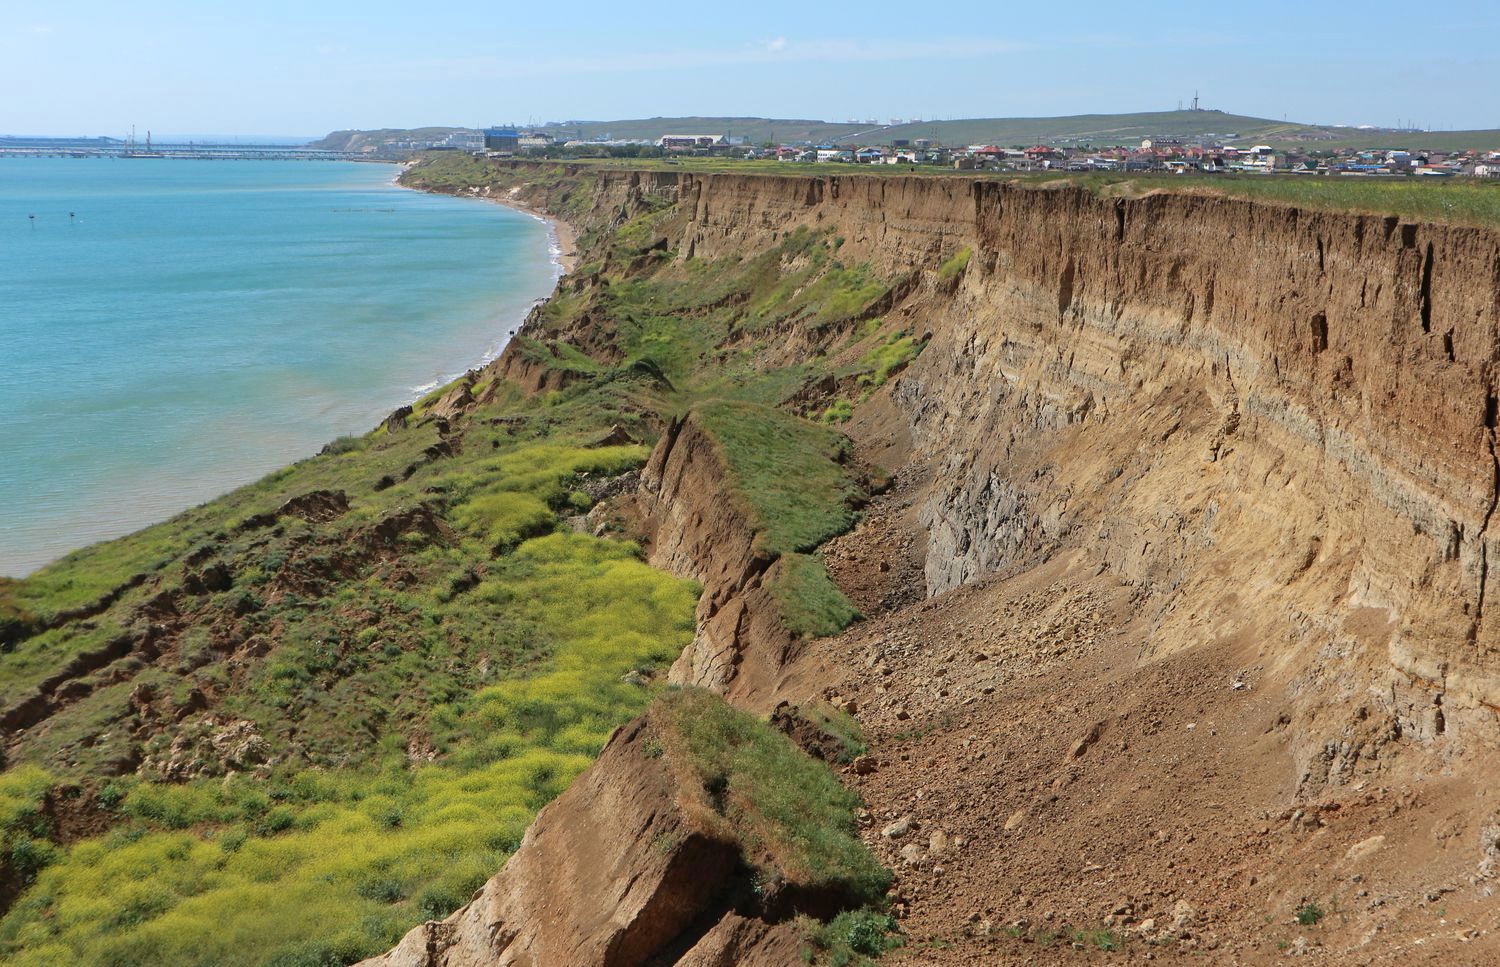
point(1176, 620)
point(1177, 638)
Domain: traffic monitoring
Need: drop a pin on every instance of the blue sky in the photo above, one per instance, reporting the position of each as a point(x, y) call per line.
point(283, 67)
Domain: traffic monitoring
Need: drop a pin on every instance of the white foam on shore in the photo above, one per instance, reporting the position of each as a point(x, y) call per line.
point(492, 353)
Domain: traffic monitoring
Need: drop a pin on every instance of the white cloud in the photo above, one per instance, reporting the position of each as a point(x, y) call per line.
point(778, 44)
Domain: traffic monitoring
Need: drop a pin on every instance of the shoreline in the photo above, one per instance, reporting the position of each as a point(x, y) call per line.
point(561, 259)
point(562, 238)
point(560, 235)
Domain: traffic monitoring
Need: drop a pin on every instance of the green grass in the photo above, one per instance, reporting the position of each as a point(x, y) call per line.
point(839, 411)
point(786, 472)
point(1452, 201)
point(1098, 939)
point(838, 725)
point(811, 604)
point(788, 812)
point(337, 864)
point(1309, 915)
point(954, 266)
point(854, 938)
point(893, 354)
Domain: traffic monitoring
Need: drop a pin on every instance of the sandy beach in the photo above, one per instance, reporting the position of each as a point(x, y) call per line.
point(561, 235)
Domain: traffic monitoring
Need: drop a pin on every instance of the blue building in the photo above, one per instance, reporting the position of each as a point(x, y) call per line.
point(501, 139)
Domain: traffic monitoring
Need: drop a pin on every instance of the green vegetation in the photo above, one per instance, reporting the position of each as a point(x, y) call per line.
point(1463, 202)
point(893, 354)
point(787, 473)
point(954, 266)
point(791, 817)
point(852, 939)
point(839, 411)
point(1098, 939)
point(432, 661)
point(837, 725)
point(333, 865)
point(24, 848)
point(1309, 914)
point(811, 604)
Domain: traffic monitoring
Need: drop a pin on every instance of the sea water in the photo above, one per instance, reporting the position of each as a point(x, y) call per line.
point(171, 329)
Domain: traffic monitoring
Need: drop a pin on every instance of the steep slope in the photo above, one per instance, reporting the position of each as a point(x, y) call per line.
point(1218, 467)
point(1167, 518)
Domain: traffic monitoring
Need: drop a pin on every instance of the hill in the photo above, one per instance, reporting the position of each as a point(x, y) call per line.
point(354, 140)
point(1099, 130)
point(756, 130)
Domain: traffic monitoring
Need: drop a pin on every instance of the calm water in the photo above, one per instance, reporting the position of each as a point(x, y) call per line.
point(197, 324)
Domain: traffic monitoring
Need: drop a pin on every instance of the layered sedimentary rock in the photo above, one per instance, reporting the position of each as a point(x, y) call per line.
point(1274, 425)
point(697, 532)
point(1195, 382)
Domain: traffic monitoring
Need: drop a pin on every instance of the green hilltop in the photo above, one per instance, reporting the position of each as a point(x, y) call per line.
point(1098, 130)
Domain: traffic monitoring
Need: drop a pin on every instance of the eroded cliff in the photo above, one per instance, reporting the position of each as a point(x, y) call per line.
point(1241, 440)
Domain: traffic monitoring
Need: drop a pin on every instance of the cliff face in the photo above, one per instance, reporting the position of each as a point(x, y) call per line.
point(741, 642)
point(1189, 383)
point(1240, 442)
point(614, 873)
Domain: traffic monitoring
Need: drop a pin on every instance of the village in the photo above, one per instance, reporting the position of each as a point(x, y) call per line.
point(1164, 155)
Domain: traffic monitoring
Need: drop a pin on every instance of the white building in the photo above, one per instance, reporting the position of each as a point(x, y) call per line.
point(685, 142)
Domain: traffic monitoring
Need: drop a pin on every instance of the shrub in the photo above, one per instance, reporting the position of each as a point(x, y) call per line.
point(851, 938)
point(893, 354)
point(839, 411)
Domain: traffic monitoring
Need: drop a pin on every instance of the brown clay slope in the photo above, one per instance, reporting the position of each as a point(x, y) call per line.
point(1200, 492)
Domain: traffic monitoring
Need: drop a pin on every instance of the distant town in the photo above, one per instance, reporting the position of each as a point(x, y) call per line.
point(1208, 155)
point(1404, 153)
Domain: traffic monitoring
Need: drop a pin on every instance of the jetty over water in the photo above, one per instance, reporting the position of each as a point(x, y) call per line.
point(115, 148)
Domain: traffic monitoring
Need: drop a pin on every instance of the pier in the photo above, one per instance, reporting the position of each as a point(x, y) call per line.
point(111, 148)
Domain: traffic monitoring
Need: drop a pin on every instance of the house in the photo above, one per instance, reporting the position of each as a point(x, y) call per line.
point(868, 156)
point(1042, 153)
point(828, 153)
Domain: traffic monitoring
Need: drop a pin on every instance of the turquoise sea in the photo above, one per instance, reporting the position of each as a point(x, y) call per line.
point(172, 329)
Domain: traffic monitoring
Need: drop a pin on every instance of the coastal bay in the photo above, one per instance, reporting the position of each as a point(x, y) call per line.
point(172, 329)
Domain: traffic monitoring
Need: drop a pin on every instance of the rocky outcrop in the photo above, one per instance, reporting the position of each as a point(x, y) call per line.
point(614, 873)
point(700, 533)
point(1192, 385)
point(1273, 426)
